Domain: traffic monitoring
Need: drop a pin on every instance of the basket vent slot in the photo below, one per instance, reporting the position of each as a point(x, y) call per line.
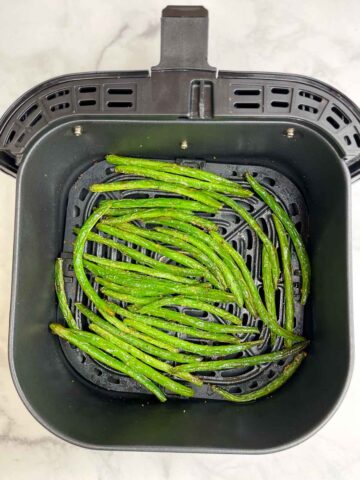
point(310, 96)
point(28, 112)
point(280, 91)
point(119, 97)
point(247, 105)
point(57, 94)
point(60, 106)
point(10, 137)
point(87, 102)
point(119, 104)
point(308, 108)
point(87, 89)
point(341, 115)
point(278, 104)
point(247, 92)
point(120, 91)
point(333, 122)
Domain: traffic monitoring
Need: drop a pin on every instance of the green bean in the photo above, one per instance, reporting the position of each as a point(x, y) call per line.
point(179, 243)
point(258, 230)
point(192, 303)
point(148, 294)
point(269, 290)
point(291, 230)
point(144, 357)
point(61, 295)
point(140, 257)
point(209, 350)
point(102, 357)
point(140, 340)
point(78, 258)
point(288, 284)
point(191, 331)
point(171, 168)
point(205, 293)
point(154, 247)
point(264, 315)
point(162, 286)
point(194, 236)
point(289, 370)
point(197, 195)
point(124, 297)
point(185, 319)
point(134, 362)
point(183, 181)
point(243, 362)
point(171, 202)
point(131, 267)
point(163, 212)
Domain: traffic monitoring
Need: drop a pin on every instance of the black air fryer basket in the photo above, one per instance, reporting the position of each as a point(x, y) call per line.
point(297, 135)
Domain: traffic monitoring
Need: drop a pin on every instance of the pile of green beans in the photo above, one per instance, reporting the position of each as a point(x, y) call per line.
point(178, 259)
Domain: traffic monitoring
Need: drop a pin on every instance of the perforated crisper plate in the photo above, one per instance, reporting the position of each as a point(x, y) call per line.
point(235, 231)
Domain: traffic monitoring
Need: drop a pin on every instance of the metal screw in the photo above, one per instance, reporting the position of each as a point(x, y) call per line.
point(290, 132)
point(77, 130)
point(184, 145)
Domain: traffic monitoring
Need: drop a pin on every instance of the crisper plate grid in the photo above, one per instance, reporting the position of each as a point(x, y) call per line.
point(241, 380)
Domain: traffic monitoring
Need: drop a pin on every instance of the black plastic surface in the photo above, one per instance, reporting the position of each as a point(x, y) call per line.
point(82, 413)
point(233, 228)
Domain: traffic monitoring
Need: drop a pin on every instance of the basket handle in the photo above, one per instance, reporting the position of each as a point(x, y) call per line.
point(184, 39)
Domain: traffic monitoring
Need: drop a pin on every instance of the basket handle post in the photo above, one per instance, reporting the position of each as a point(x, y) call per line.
point(184, 39)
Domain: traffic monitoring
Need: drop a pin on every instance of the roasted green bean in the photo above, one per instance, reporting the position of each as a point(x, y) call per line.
point(133, 267)
point(141, 203)
point(232, 274)
point(275, 269)
point(163, 212)
point(170, 168)
point(192, 303)
point(208, 350)
point(108, 360)
point(183, 181)
point(288, 284)
point(243, 362)
point(187, 330)
point(139, 340)
point(134, 358)
point(61, 295)
point(291, 230)
point(154, 247)
point(144, 357)
point(180, 244)
point(154, 185)
point(185, 319)
point(264, 315)
point(140, 257)
point(289, 370)
point(269, 290)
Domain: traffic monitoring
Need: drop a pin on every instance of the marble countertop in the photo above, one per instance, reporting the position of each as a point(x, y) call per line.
point(41, 39)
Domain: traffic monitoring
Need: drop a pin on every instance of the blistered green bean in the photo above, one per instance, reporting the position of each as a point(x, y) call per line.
point(279, 381)
point(61, 295)
point(288, 283)
point(108, 360)
point(291, 230)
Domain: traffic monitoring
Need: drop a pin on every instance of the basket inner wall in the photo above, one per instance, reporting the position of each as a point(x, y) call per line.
point(51, 168)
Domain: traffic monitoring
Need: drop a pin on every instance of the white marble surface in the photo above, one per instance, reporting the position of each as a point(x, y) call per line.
point(40, 39)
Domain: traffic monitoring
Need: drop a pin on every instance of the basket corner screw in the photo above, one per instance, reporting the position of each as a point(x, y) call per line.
point(184, 145)
point(290, 132)
point(77, 130)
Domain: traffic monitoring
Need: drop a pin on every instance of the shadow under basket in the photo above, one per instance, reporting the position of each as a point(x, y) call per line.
point(307, 159)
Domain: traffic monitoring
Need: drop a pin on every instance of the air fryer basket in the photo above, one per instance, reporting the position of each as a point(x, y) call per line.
point(298, 135)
